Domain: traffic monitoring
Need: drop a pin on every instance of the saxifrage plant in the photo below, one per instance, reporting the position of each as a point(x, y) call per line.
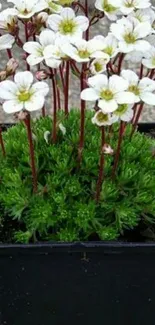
point(83, 174)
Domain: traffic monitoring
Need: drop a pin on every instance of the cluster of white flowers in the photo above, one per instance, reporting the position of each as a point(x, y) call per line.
point(62, 38)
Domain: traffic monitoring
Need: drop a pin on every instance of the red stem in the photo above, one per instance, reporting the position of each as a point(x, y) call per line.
point(87, 15)
point(117, 155)
point(67, 87)
point(9, 53)
point(136, 119)
point(2, 143)
point(101, 169)
point(54, 133)
point(151, 74)
point(83, 108)
point(120, 62)
point(141, 71)
point(43, 111)
point(32, 156)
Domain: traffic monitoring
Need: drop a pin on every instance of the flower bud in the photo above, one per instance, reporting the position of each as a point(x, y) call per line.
point(41, 75)
point(21, 116)
point(107, 149)
point(11, 66)
point(41, 18)
point(2, 75)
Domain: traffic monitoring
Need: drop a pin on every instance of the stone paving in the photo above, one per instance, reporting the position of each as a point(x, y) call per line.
point(100, 28)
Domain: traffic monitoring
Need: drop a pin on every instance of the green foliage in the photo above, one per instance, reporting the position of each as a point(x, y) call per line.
point(64, 208)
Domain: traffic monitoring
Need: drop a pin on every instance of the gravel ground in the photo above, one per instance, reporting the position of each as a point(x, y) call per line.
point(100, 28)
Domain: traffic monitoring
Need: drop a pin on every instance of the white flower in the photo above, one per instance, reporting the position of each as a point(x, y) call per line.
point(6, 41)
point(124, 113)
point(27, 8)
point(110, 7)
point(67, 24)
point(142, 89)
point(130, 35)
point(21, 94)
point(103, 119)
point(109, 93)
point(109, 45)
point(128, 6)
point(53, 6)
point(142, 16)
point(99, 65)
point(149, 58)
point(36, 49)
point(82, 51)
point(53, 54)
point(8, 19)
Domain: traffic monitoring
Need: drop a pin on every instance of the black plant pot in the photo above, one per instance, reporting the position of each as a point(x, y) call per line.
point(81, 283)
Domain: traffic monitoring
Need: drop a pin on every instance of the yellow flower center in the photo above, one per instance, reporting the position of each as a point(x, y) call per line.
point(108, 7)
point(134, 89)
point(101, 117)
point(98, 66)
point(121, 109)
point(24, 96)
point(25, 12)
point(129, 4)
point(108, 50)
point(130, 38)
point(67, 27)
point(83, 54)
point(106, 94)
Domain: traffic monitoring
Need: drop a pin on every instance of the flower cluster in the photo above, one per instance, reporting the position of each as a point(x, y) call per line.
point(57, 43)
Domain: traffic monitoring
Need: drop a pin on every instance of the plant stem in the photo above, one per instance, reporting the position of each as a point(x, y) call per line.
point(54, 133)
point(9, 53)
point(2, 143)
point(117, 155)
point(67, 87)
point(83, 108)
point(32, 156)
point(120, 63)
point(87, 15)
point(43, 111)
point(141, 71)
point(101, 169)
point(136, 119)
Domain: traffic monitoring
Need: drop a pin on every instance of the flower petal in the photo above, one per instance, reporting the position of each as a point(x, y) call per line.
point(67, 13)
point(142, 29)
point(147, 84)
point(148, 98)
point(12, 106)
point(35, 103)
point(117, 84)
point(130, 76)
point(142, 45)
point(108, 106)
point(82, 22)
point(47, 37)
point(32, 47)
point(8, 89)
point(54, 21)
point(98, 82)
point(89, 94)
point(23, 79)
point(33, 59)
point(125, 97)
point(40, 88)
